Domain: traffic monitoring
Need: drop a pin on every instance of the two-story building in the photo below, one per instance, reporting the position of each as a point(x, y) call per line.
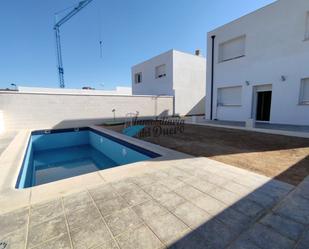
point(177, 74)
point(258, 66)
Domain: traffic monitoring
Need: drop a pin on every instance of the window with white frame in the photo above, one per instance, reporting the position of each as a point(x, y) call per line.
point(160, 71)
point(138, 78)
point(304, 92)
point(307, 27)
point(232, 49)
point(229, 96)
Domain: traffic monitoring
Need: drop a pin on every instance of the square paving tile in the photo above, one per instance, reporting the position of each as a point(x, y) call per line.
point(83, 216)
point(124, 186)
point(304, 241)
point(213, 178)
point(14, 240)
point(149, 209)
point(76, 201)
point(92, 235)
point(235, 220)
point(142, 180)
point(192, 240)
point(266, 238)
point(46, 230)
point(167, 227)
point(262, 199)
point(249, 208)
point(209, 204)
point(158, 175)
point(188, 192)
point(13, 221)
point(201, 185)
point(107, 245)
point(237, 188)
point(104, 192)
point(45, 211)
point(224, 195)
point(140, 238)
point(111, 206)
point(216, 234)
point(243, 244)
point(170, 200)
point(304, 193)
point(303, 188)
point(123, 220)
point(178, 174)
point(61, 242)
point(272, 191)
point(156, 190)
point(172, 183)
point(189, 169)
point(214, 169)
point(304, 183)
point(191, 215)
point(286, 187)
point(135, 197)
point(296, 208)
point(284, 226)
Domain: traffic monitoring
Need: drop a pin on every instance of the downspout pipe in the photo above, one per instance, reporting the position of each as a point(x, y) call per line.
point(212, 75)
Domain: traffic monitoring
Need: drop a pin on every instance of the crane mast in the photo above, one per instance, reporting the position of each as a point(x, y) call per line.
point(57, 26)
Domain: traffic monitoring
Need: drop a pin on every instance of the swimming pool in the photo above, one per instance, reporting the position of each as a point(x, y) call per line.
point(58, 154)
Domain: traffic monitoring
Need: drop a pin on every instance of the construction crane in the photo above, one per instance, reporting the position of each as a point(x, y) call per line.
point(57, 26)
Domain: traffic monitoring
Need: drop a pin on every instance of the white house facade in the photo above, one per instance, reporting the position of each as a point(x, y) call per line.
point(173, 73)
point(258, 66)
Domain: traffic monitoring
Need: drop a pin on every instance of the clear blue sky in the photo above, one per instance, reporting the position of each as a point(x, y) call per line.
point(132, 31)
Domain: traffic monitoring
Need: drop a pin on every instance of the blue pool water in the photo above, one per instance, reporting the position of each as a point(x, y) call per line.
point(66, 153)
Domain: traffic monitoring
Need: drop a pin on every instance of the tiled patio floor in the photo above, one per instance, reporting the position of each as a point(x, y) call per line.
point(5, 140)
point(261, 125)
point(193, 205)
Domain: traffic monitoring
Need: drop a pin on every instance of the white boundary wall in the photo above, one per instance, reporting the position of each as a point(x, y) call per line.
point(39, 111)
point(119, 90)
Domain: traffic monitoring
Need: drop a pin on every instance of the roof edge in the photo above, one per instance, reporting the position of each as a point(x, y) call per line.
point(244, 16)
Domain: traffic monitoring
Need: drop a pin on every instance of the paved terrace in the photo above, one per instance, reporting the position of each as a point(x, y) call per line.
point(261, 125)
point(279, 129)
point(192, 203)
point(5, 140)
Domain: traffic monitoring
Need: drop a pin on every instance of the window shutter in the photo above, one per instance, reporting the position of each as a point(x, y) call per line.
point(229, 96)
point(307, 27)
point(232, 49)
point(304, 94)
point(160, 71)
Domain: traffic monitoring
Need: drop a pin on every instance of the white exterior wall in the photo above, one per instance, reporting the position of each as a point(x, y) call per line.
point(275, 47)
point(39, 111)
point(120, 90)
point(189, 83)
point(150, 85)
point(185, 80)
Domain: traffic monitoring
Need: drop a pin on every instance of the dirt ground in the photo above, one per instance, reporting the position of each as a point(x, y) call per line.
point(281, 157)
